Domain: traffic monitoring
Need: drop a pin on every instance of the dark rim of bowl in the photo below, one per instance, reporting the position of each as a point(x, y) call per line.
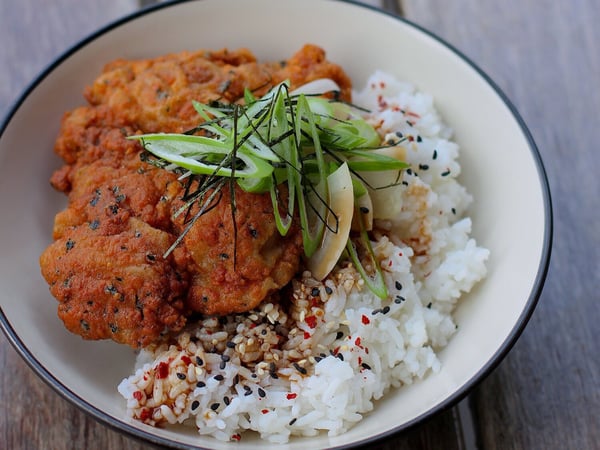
point(447, 403)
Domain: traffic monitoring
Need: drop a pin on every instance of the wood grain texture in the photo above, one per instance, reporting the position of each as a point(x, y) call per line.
point(32, 415)
point(546, 56)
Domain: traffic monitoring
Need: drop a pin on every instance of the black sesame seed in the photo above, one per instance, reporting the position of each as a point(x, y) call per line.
point(399, 299)
point(299, 368)
point(328, 290)
point(419, 138)
point(230, 344)
point(261, 392)
point(446, 173)
point(181, 376)
point(69, 244)
point(219, 377)
point(453, 210)
point(364, 210)
point(293, 421)
point(264, 331)
point(429, 305)
point(226, 401)
point(113, 327)
point(435, 154)
point(94, 224)
point(222, 365)
point(409, 171)
point(398, 286)
point(84, 325)
point(366, 366)
point(340, 356)
point(150, 257)
point(385, 310)
point(215, 406)
point(339, 335)
point(225, 358)
point(195, 405)
point(199, 361)
point(399, 134)
point(318, 358)
point(248, 390)
point(315, 292)
point(423, 166)
point(223, 256)
point(114, 209)
point(200, 384)
point(236, 380)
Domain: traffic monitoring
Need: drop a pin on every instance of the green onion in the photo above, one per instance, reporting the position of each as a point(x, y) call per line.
point(294, 138)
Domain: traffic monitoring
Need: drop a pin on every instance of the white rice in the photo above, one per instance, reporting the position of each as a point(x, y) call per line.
point(319, 363)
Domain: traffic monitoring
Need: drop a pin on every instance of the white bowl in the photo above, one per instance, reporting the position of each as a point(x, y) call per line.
point(501, 167)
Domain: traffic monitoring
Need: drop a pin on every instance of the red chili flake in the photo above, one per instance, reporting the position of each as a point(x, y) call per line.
point(252, 325)
point(357, 341)
point(306, 335)
point(265, 411)
point(382, 84)
point(145, 414)
point(390, 263)
point(236, 437)
point(311, 321)
point(411, 139)
point(314, 302)
point(400, 253)
point(138, 395)
point(186, 360)
point(365, 320)
point(162, 371)
point(335, 351)
point(291, 396)
point(359, 360)
point(145, 377)
point(413, 114)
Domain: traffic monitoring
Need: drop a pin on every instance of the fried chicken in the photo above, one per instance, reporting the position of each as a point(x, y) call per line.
point(106, 266)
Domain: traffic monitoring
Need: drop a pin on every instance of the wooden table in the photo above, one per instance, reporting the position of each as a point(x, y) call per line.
point(546, 57)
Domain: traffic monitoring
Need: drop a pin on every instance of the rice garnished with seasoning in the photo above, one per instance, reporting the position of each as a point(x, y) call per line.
point(318, 361)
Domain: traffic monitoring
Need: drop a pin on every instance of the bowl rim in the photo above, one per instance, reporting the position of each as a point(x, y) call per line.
point(451, 400)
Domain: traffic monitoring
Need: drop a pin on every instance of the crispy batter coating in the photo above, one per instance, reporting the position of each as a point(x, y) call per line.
point(234, 269)
point(116, 286)
point(106, 266)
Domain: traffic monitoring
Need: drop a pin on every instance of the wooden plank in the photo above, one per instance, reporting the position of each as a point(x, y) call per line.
point(33, 416)
point(546, 57)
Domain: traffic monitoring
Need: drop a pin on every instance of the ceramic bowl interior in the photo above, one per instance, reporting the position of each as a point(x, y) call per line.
point(501, 168)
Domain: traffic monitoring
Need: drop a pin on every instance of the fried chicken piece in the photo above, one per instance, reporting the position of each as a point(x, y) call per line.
point(156, 94)
point(106, 266)
point(235, 267)
point(116, 286)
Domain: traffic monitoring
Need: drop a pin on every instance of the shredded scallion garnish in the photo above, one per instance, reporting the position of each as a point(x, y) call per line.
point(295, 138)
